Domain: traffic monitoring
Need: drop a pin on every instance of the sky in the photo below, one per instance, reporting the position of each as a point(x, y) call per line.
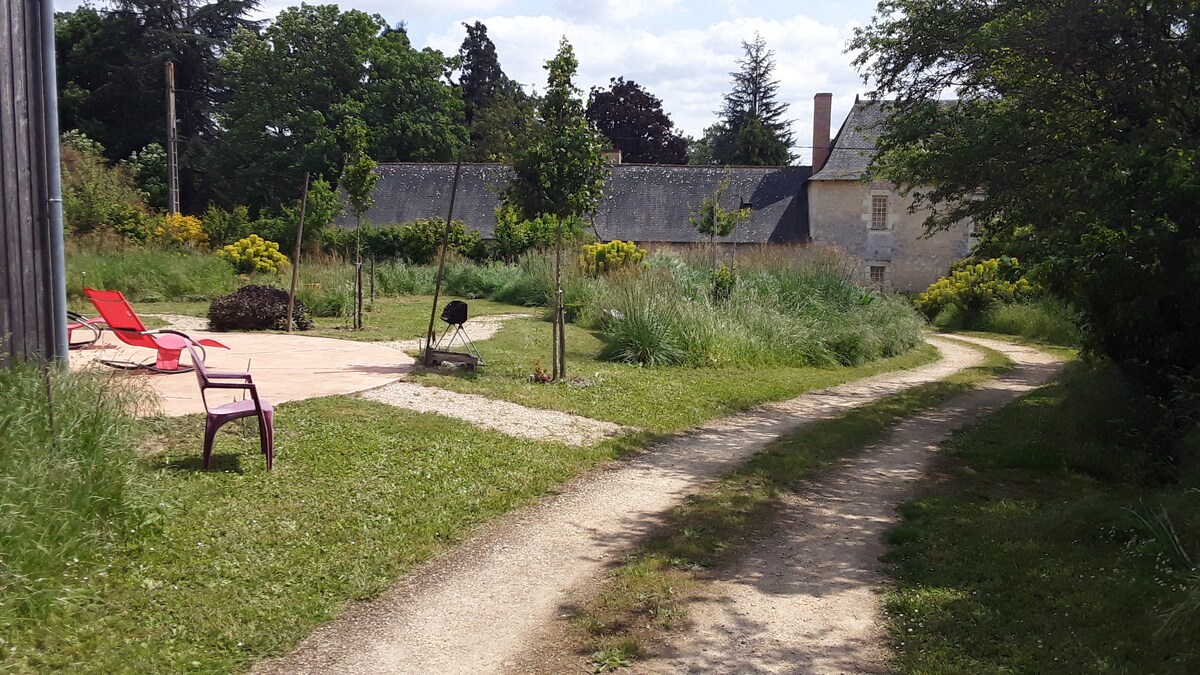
point(681, 51)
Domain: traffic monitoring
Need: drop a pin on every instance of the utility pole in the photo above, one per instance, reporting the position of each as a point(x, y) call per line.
point(172, 144)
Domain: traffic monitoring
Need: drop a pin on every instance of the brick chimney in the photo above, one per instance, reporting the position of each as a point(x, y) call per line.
point(822, 109)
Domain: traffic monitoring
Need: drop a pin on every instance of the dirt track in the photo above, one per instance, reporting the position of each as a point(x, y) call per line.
point(483, 606)
point(804, 597)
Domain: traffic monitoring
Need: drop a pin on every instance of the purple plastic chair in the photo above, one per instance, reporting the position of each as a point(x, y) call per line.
point(223, 414)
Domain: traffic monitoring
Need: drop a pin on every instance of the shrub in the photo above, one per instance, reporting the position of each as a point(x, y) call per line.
point(256, 307)
point(254, 254)
point(417, 242)
point(973, 288)
point(97, 197)
point(515, 236)
point(614, 255)
point(225, 227)
point(722, 282)
point(178, 229)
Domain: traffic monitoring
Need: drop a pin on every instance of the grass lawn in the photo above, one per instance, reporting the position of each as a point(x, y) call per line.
point(239, 564)
point(245, 563)
point(1051, 548)
point(659, 399)
point(648, 594)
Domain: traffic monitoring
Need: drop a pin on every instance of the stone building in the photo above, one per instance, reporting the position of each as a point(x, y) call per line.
point(869, 220)
point(650, 204)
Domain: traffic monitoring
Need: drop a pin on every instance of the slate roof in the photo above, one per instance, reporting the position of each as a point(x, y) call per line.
point(855, 142)
point(642, 203)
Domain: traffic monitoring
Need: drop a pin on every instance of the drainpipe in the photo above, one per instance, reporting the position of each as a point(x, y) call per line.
point(58, 264)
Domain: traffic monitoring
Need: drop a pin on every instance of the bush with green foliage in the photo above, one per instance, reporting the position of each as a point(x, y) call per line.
point(256, 307)
point(973, 287)
point(98, 198)
point(601, 258)
point(723, 281)
point(417, 242)
point(515, 236)
point(69, 490)
point(254, 255)
point(225, 227)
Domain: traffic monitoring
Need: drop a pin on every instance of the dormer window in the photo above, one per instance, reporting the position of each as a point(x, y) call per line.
point(879, 212)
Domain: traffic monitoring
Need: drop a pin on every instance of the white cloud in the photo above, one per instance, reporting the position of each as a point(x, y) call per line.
point(605, 11)
point(688, 68)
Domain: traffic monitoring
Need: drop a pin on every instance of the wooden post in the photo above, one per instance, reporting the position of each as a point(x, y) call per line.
point(172, 144)
point(296, 255)
point(427, 356)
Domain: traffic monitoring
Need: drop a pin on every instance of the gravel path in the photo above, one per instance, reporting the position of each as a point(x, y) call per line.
point(182, 322)
point(490, 601)
point(804, 598)
point(507, 418)
point(478, 329)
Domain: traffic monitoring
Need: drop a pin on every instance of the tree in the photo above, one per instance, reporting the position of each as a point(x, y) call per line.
point(700, 150)
point(112, 80)
point(499, 113)
point(481, 77)
point(715, 220)
point(562, 172)
point(1074, 140)
point(311, 70)
point(633, 120)
point(752, 130)
point(358, 180)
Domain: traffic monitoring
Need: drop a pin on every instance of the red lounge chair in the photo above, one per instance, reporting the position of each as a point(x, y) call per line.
point(92, 328)
point(215, 418)
point(120, 318)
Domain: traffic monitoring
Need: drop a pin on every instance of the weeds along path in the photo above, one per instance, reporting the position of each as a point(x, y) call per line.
point(804, 596)
point(481, 607)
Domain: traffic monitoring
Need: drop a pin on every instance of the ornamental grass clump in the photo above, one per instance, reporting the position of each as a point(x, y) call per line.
point(254, 254)
point(803, 311)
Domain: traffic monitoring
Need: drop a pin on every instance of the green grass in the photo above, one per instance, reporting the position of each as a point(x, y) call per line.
point(647, 595)
point(65, 491)
point(1043, 321)
point(245, 563)
point(657, 399)
point(1054, 547)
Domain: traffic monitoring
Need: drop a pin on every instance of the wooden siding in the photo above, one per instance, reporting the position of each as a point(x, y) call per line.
point(26, 322)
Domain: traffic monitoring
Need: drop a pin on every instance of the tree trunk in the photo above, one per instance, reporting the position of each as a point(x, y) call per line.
point(559, 363)
point(358, 281)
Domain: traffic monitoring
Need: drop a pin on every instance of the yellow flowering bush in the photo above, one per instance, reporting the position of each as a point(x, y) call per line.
point(600, 258)
point(973, 287)
point(176, 228)
point(254, 254)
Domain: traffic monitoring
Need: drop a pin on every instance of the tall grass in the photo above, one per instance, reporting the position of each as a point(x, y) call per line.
point(65, 491)
point(148, 274)
point(1045, 319)
point(802, 310)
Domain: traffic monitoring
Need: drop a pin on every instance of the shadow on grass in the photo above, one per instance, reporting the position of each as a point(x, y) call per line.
point(221, 463)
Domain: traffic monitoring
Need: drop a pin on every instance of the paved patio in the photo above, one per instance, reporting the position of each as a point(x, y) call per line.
point(285, 367)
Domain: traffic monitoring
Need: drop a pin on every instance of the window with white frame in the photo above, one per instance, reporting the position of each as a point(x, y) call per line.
point(878, 275)
point(879, 212)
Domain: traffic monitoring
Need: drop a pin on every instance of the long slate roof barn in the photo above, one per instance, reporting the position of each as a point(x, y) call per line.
point(643, 203)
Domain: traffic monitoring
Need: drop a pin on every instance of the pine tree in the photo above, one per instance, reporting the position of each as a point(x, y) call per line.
point(752, 130)
point(481, 77)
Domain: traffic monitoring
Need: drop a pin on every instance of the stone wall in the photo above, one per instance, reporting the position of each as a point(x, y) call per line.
point(840, 216)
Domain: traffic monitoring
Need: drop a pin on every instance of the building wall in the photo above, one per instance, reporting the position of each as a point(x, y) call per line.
point(840, 216)
point(26, 309)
